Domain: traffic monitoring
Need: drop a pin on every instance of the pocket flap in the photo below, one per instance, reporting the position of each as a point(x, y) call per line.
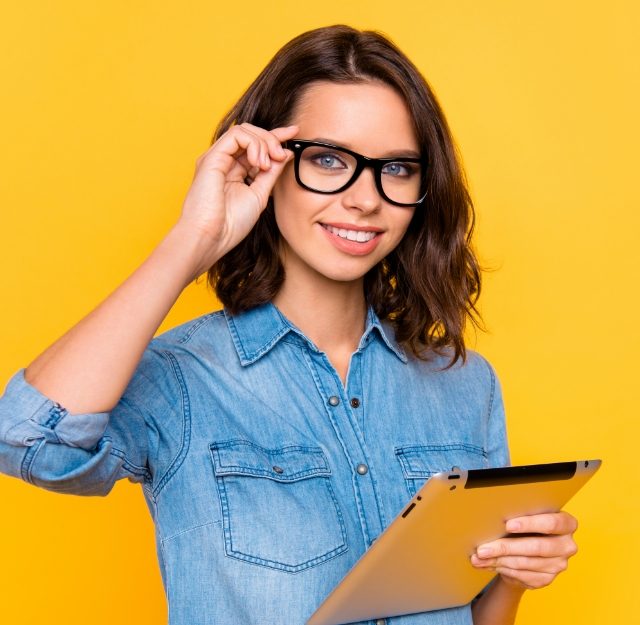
point(422, 461)
point(285, 464)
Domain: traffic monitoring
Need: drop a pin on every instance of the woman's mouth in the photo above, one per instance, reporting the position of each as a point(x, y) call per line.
point(356, 241)
point(360, 236)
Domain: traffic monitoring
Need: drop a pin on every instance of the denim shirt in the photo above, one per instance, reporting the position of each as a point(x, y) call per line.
point(266, 478)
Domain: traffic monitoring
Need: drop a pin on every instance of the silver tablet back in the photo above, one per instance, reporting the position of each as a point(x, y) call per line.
point(421, 561)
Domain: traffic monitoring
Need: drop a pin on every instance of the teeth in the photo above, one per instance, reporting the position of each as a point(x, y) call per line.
point(361, 236)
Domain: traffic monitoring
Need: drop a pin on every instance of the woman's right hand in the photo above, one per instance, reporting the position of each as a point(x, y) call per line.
point(88, 369)
point(231, 186)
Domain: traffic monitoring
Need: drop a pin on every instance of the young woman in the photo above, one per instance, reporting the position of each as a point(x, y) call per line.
point(274, 440)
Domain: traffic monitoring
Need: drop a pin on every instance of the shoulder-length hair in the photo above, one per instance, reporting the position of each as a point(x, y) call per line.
point(428, 286)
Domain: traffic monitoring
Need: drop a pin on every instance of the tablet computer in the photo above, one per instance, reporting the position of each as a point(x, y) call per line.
point(422, 562)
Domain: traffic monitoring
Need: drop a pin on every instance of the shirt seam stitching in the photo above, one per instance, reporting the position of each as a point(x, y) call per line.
point(492, 392)
point(28, 460)
point(196, 326)
point(176, 463)
point(364, 524)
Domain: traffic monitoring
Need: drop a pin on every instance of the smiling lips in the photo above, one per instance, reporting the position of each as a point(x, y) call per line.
point(359, 236)
point(351, 239)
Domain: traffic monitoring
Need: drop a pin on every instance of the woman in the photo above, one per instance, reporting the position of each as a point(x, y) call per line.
point(276, 439)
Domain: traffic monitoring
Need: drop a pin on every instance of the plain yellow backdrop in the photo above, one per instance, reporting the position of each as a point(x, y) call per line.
point(105, 108)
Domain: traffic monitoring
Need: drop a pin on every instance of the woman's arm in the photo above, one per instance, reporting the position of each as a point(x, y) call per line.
point(498, 605)
point(89, 367)
point(527, 561)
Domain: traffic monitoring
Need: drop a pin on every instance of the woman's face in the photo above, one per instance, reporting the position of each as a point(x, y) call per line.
point(318, 230)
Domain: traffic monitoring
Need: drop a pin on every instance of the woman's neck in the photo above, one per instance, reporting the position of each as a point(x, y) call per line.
point(331, 314)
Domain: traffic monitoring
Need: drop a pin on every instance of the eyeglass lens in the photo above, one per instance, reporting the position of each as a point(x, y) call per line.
point(329, 169)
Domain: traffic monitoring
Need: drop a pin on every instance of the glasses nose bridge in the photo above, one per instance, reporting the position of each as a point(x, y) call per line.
point(365, 162)
point(367, 196)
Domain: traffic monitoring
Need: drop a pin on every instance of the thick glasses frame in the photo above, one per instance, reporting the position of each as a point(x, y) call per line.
point(298, 145)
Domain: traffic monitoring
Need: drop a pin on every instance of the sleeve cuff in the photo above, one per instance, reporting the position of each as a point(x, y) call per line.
point(26, 416)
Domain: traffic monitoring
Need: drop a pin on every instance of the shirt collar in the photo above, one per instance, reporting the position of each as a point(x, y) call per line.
point(256, 331)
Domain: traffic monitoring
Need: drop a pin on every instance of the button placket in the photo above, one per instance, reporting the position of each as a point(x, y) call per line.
point(347, 423)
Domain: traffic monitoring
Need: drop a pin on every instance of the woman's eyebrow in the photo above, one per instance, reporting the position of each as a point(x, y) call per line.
point(409, 152)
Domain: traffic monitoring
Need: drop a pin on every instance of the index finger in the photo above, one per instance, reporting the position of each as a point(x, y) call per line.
point(554, 523)
point(273, 137)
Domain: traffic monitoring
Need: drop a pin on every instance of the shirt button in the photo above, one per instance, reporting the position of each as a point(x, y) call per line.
point(355, 402)
point(381, 621)
point(362, 469)
point(333, 400)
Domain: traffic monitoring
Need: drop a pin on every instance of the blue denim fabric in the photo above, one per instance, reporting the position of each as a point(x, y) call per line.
point(265, 477)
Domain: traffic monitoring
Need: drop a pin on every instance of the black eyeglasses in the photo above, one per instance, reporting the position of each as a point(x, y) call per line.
point(326, 168)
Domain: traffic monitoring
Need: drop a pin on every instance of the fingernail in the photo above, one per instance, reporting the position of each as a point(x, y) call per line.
point(513, 526)
point(483, 552)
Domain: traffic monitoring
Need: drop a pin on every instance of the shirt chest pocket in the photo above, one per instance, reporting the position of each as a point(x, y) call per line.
point(420, 462)
point(278, 507)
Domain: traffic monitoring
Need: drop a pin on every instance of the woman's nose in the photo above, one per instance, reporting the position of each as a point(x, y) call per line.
point(363, 193)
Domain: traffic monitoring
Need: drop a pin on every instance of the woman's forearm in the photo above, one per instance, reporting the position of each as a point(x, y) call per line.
point(89, 367)
point(498, 605)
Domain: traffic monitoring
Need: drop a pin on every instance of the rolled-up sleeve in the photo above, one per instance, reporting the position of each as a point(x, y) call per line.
point(83, 454)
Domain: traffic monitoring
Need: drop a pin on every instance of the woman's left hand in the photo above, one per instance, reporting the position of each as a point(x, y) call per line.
point(530, 561)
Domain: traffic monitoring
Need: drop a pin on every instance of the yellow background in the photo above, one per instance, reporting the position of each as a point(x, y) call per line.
point(105, 108)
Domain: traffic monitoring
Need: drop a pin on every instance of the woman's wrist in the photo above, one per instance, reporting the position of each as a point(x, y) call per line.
point(499, 603)
point(192, 253)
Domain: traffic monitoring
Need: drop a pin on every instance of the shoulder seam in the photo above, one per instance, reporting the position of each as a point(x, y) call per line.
point(492, 394)
point(196, 325)
point(186, 425)
point(492, 378)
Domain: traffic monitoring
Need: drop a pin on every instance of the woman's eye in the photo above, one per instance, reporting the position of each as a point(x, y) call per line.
point(329, 161)
point(398, 169)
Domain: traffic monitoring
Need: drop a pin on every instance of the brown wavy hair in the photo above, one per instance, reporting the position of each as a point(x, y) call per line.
point(428, 286)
